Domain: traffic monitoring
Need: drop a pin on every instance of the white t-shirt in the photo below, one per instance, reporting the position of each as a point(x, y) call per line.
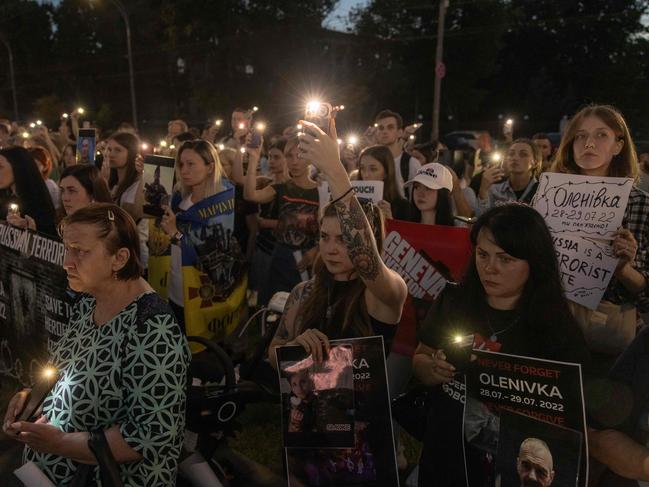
point(175, 290)
point(128, 197)
point(413, 167)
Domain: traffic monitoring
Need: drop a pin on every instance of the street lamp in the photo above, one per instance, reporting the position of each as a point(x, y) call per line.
point(4, 40)
point(122, 10)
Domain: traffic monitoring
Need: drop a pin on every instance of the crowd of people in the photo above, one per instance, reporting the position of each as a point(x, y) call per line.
point(125, 345)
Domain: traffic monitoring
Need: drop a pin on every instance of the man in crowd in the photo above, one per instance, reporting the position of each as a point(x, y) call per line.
point(389, 132)
point(535, 464)
point(542, 141)
point(240, 122)
point(175, 128)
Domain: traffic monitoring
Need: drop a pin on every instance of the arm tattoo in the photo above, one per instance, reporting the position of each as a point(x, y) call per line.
point(296, 298)
point(358, 238)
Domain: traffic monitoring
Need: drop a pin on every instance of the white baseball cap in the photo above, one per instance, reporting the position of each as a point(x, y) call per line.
point(433, 176)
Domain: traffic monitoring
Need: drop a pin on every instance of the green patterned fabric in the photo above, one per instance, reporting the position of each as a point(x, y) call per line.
point(131, 371)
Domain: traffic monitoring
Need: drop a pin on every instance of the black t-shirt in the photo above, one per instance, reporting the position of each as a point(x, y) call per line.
point(297, 215)
point(442, 461)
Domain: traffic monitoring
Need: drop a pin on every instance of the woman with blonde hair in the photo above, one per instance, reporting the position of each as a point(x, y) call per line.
point(597, 142)
point(201, 210)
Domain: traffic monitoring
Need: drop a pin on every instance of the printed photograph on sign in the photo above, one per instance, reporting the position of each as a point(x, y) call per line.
point(317, 399)
point(549, 397)
point(536, 453)
point(587, 206)
point(158, 178)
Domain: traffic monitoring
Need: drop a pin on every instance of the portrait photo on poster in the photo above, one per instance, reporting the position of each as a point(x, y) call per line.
point(317, 398)
point(86, 146)
point(158, 178)
point(535, 453)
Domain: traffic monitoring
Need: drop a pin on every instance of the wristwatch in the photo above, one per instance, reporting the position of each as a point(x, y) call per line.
point(177, 237)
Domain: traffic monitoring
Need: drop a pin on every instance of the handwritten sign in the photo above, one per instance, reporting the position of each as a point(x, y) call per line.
point(370, 190)
point(586, 268)
point(587, 206)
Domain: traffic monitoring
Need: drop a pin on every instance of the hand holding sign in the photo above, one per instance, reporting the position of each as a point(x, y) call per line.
point(625, 247)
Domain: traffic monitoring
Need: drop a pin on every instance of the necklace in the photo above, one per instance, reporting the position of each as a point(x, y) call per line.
point(494, 333)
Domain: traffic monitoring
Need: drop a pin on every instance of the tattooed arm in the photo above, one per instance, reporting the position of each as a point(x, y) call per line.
point(387, 289)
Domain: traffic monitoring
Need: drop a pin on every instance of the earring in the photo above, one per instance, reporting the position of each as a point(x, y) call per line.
point(115, 275)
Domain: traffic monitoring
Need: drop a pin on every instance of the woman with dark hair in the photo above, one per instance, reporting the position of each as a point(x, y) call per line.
point(377, 164)
point(511, 300)
point(515, 181)
point(122, 150)
point(121, 365)
point(597, 142)
point(68, 156)
point(19, 175)
point(81, 185)
point(126, 184)
point(352, 293)
point(432, 203)
point(297, 203)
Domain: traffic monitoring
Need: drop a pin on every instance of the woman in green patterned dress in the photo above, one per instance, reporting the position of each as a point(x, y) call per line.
point(122, 363)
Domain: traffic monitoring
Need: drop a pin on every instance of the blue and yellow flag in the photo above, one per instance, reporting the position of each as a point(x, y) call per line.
point(213, 266)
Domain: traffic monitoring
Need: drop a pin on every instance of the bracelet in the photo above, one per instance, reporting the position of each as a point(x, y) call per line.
point(342, 196)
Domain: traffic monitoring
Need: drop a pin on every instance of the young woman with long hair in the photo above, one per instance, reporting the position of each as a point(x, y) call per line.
point(352, 293)
point(21, 178)
point(510, 300)
point(126, 184)
point(432, 203)
point(597, 142)
point(377, 164)
point(200, 176)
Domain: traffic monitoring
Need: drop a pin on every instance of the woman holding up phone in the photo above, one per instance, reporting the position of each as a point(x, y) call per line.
point(510, 301)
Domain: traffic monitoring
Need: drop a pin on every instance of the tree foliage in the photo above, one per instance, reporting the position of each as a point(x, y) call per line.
point(197, 59)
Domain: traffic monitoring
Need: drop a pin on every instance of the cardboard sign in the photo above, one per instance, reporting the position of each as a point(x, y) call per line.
point(587, 206)
point(35, 305)
point(369, 190)
point(426, 257)
point(514, 404)
point(586, 268)
point(371, 460)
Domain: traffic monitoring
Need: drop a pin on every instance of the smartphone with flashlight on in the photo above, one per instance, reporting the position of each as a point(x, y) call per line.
point(320, 114)
point(37, 395)
point(458, 351)
point(256, 133)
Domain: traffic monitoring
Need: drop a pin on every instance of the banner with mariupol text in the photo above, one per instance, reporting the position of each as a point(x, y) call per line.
point(583, 213)
point(528, 414)
point(34, 303)
point(213, 273)
point(339, 411)
point(426, 257)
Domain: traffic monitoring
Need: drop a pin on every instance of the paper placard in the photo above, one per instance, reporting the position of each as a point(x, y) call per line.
point(370, 190)
point(513, 401)
point(586, 268)
point(588, 206)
